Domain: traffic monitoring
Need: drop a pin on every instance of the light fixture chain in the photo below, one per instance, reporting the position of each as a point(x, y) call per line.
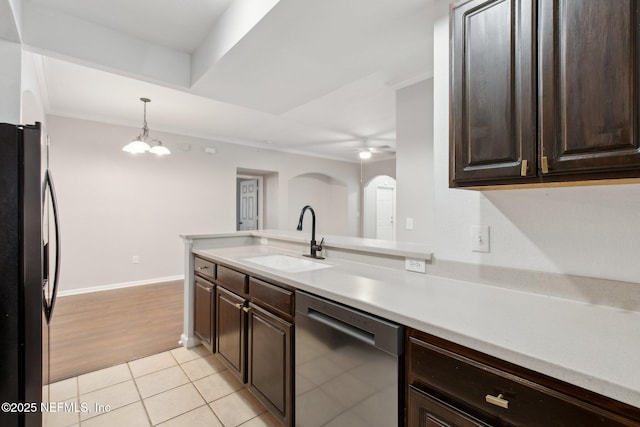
point(145, 127)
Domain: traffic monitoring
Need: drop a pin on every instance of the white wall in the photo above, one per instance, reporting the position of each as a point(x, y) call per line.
point(414, 162)
point(328, 198)
point(589, 231)
point(32, 108)
point(10, 81)
point(11, 20)
point(114, 205)
point(16, 11)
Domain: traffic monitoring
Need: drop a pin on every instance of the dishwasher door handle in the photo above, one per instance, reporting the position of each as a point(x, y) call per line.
point(353, 331)
point(380, 333)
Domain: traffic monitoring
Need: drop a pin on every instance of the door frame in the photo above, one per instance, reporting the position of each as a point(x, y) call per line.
point(393, 209)
point(259, 199)
point(368, 204)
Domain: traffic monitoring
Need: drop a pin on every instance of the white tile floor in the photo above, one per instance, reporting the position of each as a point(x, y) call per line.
point(181, 387)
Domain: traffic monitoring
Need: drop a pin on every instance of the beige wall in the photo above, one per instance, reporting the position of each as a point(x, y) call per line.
point(414, 162)
point(114, 205)
point(328, 198)
point(590, 231)
point(10, 81)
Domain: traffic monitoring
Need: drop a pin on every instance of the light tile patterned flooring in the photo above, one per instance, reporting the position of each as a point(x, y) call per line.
point(181, 387)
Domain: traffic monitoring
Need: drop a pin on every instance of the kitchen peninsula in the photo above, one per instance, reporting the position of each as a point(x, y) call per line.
point(591, 346)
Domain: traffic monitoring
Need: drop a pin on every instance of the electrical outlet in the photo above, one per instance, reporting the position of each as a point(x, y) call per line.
point(264, 241)
point(135, 259)
point(480, 238)
point(409, 224)
point(415, 265)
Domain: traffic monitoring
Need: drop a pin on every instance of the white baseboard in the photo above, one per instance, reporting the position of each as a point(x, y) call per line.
point(119, 285)
point(188, 342)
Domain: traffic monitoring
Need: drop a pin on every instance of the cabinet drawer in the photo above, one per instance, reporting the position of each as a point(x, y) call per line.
point(473, 386)
point(424, 410)
point(204, 268)
point(271, 297)
point(233, 280)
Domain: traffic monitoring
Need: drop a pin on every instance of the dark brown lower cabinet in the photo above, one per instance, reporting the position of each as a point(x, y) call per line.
point(204, 312)
point(270, 368)
point(231, 337)
point(451, 385)
point(428, 411)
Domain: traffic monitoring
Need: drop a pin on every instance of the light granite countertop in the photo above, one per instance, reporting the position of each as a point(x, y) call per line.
point(592, 346)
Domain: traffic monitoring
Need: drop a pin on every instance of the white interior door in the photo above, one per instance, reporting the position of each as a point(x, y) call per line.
point(248, 219)
point(385, 212)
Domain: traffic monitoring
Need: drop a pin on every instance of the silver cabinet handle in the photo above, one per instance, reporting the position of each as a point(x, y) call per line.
point(246, 309)
point(238, 306)
point(497, 400)
point(204, 267)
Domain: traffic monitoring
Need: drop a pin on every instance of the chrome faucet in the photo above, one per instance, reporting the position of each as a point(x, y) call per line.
point(315, 248)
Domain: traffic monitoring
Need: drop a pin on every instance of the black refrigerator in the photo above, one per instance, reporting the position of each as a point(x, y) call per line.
point(29, 269)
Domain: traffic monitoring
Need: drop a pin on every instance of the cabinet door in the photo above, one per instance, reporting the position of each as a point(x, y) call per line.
point(589, 86)
point(493, 132)
point(270, 368)
point(231, 331)
point(204, 312)
point(426, 411)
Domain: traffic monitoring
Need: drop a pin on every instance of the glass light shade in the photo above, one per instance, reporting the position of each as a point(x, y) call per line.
point(136, 146)
point(365, 154)
point(160, 150)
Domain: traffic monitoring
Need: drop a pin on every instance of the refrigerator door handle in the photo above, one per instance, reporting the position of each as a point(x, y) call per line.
point(48, 306)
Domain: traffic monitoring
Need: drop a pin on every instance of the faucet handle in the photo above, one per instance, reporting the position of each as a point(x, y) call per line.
point(320, 244)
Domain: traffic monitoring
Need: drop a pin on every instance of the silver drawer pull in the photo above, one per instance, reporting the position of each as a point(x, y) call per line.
point(203, 267)
point(497, 400)
point(238, 306)
point(246, 309)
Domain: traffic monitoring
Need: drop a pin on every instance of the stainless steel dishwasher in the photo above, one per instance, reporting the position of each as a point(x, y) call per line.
point(348, 366)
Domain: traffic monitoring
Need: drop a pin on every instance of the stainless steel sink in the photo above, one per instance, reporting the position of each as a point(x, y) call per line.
point(286, 263)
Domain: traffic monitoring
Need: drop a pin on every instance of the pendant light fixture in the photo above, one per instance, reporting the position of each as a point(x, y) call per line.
point(159, 150)
point(141, 143)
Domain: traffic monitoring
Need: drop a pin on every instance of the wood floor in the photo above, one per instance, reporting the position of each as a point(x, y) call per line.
point(101, 329)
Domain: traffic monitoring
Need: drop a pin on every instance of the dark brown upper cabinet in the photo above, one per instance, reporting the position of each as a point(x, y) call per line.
point(544, 91)
point(493, 122)
point(589, 87)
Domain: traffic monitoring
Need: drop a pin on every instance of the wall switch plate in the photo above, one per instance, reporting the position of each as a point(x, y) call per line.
point(480, 238)
point(409, 224)
point(135, 259)
point(415, 265)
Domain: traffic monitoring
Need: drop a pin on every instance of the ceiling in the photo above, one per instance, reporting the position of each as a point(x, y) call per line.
point(308, 76)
